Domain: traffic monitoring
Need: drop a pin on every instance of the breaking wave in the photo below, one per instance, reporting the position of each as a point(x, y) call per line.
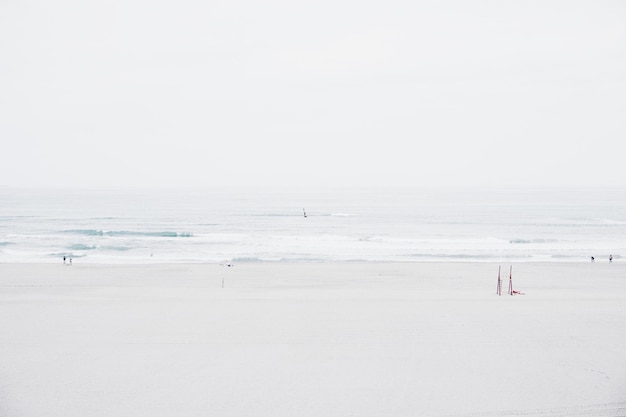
point(117, 248)
point(124, 233)
point(529, 241)
point(80, 246)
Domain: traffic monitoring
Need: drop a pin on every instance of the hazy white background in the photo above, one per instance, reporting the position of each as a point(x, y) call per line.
point(341, 92)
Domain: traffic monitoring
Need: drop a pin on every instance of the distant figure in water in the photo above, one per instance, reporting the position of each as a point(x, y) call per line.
point(593, 259)
point(304, 211)
point(64, 260)
point(610, 258)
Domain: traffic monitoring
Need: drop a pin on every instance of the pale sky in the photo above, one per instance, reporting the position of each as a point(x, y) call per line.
point(341, 92)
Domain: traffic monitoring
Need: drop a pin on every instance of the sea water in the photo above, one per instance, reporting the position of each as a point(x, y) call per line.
point(313, 224)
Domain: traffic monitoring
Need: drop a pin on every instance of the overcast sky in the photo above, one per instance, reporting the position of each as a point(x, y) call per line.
point(330, 92)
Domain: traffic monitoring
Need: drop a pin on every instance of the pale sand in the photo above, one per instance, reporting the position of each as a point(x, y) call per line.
point(327, 339)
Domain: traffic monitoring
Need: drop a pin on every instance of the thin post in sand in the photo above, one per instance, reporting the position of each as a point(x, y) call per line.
point(499, 287)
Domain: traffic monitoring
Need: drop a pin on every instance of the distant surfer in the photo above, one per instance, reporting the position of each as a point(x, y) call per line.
point(593, 259)
point(304, 211)
point(610, 258)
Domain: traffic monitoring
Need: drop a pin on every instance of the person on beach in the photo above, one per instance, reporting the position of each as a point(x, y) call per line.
point(64, 260)
point(610, 258)
point(593, 259)
point(70, 261)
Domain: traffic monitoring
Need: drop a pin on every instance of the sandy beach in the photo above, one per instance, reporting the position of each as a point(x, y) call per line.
point(312, 339)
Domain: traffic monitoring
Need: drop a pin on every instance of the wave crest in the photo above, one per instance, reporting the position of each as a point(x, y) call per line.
point(118, 233)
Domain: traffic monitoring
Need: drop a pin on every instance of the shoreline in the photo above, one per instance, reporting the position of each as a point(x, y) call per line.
point(78, 260)
point(477, 275)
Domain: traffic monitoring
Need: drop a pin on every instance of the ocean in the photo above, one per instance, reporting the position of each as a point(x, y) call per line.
point(269, 225)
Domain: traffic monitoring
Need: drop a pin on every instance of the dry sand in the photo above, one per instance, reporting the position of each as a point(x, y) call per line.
point(312, 339)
